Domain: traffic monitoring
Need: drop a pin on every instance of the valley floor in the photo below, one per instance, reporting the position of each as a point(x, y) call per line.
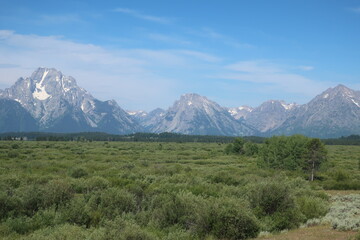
point(323, 232)
point(320, 232)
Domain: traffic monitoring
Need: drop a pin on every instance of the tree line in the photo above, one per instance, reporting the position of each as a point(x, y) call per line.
point(296, 152)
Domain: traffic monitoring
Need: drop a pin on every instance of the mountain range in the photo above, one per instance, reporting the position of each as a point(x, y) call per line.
point(49, 101)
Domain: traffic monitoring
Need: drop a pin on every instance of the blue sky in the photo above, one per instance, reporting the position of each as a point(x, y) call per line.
point(145, 54)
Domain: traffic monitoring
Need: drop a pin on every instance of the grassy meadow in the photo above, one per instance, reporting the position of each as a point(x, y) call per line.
point(151, 190)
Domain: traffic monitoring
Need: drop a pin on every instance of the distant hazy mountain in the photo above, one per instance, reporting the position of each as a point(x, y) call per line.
point(194, 114)
point(15, 118)
point(59, 105)
point(269, 115)
point(334, 113)
point(137, 115)
point(148, 120)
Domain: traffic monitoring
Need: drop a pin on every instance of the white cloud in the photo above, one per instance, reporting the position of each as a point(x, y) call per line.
point(145, 78)
point(133, 77)
point(279, 78)
point(258, 67)
point(140, 15)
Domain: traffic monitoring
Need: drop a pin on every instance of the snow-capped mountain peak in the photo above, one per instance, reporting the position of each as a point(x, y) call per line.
point(53, 98)
point(195, 114)
point(333, 113)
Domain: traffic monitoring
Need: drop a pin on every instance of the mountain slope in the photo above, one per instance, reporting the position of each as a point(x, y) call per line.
point(334, 113)
point(194, 114)
point(60, 105)
point(269, 115)
point(14, 118)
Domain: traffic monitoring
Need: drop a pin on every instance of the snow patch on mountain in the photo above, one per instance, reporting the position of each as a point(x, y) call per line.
point(246, 108)
point(68, 108)
point(356, 103)
point(288, 106)
point(40, 92)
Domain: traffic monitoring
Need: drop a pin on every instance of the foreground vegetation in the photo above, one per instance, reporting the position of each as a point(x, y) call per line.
point(138, 190)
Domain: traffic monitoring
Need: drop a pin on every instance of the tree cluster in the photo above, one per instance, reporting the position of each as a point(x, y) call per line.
point(296, 152)
point(242, 147)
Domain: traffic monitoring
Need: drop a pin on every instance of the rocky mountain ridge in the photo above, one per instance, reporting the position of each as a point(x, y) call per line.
point(50, 101)
point(195, 114)
point(333, 113)
point(58, 104)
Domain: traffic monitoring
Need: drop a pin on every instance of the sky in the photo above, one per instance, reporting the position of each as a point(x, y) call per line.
point(146, 54)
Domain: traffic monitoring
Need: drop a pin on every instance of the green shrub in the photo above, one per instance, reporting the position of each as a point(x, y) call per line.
point(112, 202)
point(75, 212)
point(312, 207)
point(274, 202)
point(180, 234)
point(96, 183)
point(340, 175)
point(13, 154)
point(78, 172)
point(184, 209)
point(251, 149)
point(32, 198)
point(9, 206)
point(57, 192)
point(65, 231)
point(229, 148)
point(15, 146)
point(20, 225)
point(46, 218)
point(231, 220)
point(121, 229)
point(236, 147)
point(342, 185)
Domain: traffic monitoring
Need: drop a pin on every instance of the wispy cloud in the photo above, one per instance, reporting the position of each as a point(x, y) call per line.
point(168, 39)
point(212, 34)
point(133, 77)
point(201, 56)
point(277, 76)
point(355, 9)
point(143, 16)
point(305, 68)
point(9, 65)
point(255, 67)
point(59, 19)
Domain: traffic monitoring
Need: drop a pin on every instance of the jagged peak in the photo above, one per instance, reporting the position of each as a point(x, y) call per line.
point(277, 103)
point(340, 90)
point(341, 86)
point(272, 102)
point(42, 73)
point(187, 96)
point(193, 99)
